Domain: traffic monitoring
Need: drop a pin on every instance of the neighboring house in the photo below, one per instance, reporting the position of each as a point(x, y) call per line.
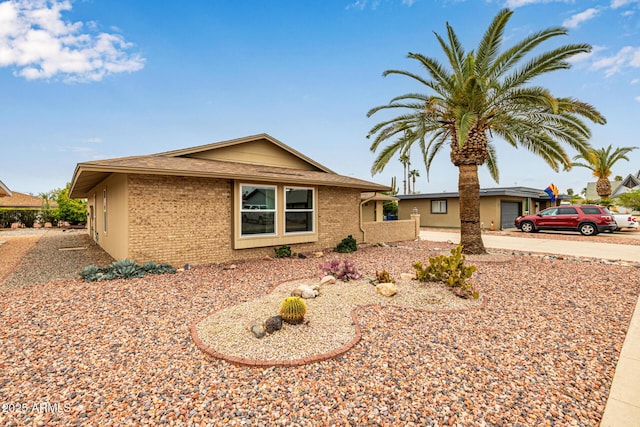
point(630, 182)
point(23, 201)
point(498, 205)
point(4, 190)
point(220, 202)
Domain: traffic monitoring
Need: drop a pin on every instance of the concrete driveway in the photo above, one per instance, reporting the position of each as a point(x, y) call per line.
point(608, 251)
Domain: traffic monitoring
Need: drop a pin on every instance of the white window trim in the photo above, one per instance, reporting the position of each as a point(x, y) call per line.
point(312, 210)
point(275, 211)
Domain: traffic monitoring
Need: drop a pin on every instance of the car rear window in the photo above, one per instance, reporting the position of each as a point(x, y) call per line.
point(591, 211)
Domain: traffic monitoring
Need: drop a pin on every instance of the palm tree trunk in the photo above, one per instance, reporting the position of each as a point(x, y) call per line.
point(469, 190)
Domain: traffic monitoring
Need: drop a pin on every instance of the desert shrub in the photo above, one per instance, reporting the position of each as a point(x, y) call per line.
point(341, 270)
point(283, 251)
point(384, 277)
point(347, 245)
point(124, 269)
point(450, 270)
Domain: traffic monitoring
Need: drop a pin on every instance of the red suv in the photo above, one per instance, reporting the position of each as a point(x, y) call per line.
point(587, 219)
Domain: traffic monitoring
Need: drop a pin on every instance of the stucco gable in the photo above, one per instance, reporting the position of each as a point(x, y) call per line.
point(260, 149)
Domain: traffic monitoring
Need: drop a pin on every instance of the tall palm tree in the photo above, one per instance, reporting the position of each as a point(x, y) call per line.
point(479, 96)
point(413, 174)
point(600, 161)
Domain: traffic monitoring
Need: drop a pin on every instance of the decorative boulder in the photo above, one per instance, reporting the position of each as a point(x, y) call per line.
point(327, 280)
point(387, 289)
point(297, 292)
point(258, 330)
point(272, 324)
point(407, 276)
point(318, 254)
point(308, 293)
point(315, 287)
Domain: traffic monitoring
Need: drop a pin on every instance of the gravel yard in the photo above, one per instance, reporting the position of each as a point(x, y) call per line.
point(541, 351)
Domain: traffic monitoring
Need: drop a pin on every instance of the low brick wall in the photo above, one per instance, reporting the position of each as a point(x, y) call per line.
point(391, 231)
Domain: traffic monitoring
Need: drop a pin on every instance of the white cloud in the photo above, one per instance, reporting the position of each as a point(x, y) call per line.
point(638, 98)
point(94, 140)
point(36, 40)
point(628, 56)
point(635, 81)
point(373, 4)
point(513, 4)
point(619, 3)
point(582, 57)
point(581, 17)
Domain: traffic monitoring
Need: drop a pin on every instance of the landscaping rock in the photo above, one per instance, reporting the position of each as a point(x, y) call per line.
point(308, 293)
point(387, 289)
point(258, 330)
point(407, 276)
point(327, 280)
point(272, 324)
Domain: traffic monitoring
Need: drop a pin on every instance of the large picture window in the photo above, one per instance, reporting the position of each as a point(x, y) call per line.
point(298, 212)
point(438, 206)
point(258, 211)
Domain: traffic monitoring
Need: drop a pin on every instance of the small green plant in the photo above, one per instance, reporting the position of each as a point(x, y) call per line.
point(293, 310)
point(283, 251)
point(451, 270)
point(126, 269)
point(384, 277)
point(347, 245)
point(341, 270)
point(123, 269)
point(90, 273)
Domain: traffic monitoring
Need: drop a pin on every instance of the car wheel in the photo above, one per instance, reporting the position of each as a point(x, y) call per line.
point(527, 227)
point(588, 229)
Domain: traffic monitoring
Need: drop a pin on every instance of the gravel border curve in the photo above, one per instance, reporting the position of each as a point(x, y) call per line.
point(331, 325)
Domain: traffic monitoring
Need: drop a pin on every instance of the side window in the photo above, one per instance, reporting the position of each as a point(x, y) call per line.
point(104, 209)
point(298, 210)
point(549, 212)
point(258, 210)
point(438, 206)
point(567, 211)
point(590, 211)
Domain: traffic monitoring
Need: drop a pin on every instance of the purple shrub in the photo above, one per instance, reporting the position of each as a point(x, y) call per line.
point(341, 270)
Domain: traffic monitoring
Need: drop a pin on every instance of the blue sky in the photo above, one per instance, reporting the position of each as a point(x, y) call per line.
point(92, 79)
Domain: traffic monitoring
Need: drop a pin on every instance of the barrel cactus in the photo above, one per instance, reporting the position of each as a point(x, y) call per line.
point(293, 309)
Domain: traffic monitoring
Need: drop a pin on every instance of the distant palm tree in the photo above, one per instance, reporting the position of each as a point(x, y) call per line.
point(600, 161)
point(413, 174)
point(404, 159)
point(479, 96)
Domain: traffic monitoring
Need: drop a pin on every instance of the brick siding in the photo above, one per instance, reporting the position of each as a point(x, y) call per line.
point(183, 220)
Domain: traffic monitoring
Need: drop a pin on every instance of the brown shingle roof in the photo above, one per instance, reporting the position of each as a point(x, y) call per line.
point(87, 175)
point(21, 200)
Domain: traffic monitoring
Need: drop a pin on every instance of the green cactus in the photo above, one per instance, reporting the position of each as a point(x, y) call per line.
point(449, 269)
point(292, 310)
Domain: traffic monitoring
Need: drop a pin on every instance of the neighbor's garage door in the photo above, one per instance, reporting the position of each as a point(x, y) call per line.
point(509, 211)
